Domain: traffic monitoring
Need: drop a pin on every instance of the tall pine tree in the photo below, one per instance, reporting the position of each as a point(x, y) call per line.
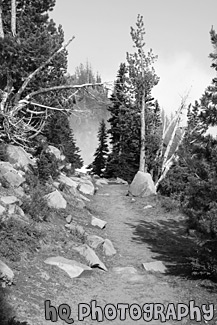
point(98, 165)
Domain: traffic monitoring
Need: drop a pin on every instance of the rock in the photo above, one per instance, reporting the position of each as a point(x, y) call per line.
point(125, 270)
point(71, 267)
point(142, 185)
point(69, 218)
point(156, 266)
point(101, 182)
point(56, 185)
point(98, 222)
point(10, 199)
point(6, 274)
point(86, 187)
point(2, 209)
point(11, 209)
point(56, 200)
point(121, 181)
point(108, 248)
point(94, 241)
point(67, 180)
point(18, 157)
point(55, 151)
point(90, 256)
point(9, 175)
point(148, 207)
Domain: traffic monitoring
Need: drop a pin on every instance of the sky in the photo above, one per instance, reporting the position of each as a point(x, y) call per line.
point(176, 30)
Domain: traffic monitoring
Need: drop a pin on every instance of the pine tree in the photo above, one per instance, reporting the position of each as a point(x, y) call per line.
point(143, 78)
point(98, 165)
point(59, 134)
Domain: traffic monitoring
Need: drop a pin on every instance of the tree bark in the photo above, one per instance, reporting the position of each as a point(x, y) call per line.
point(2, 35)
point(13, 17)
point(142, 167)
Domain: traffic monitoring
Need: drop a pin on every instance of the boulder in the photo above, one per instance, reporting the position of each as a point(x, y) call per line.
point(6, 274)
point(71, 267)
point(142, 185)
point(94, 241)
point(9, 175)
point(56, 200)
point(67, 180)
point(86, 187)
point(98, 222)
point(55, 151)
point(10, 199)
point(108, 248)
point(18, 157)
point(156, 266)
point(90, 256)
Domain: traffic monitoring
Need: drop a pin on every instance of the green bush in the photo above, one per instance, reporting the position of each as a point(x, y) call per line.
point(36, 206)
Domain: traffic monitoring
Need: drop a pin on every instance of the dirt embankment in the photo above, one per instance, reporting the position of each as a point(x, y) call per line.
point(139, 235)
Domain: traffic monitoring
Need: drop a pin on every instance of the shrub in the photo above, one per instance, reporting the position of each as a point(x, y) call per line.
point(36, 206)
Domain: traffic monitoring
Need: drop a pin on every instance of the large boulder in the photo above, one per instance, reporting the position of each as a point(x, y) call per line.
point(71, 267)
point(56, 200)
point(18, 157)
point(10, 176)
point(142, 185)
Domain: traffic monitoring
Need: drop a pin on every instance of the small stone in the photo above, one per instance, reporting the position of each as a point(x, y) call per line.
point(98, 222)
point(148, 207)
point(69, 218)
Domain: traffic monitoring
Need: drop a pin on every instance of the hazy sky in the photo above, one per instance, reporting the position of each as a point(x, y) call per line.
point(176, 30)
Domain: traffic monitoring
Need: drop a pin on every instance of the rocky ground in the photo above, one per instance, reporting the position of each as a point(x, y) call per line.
point(140, 236)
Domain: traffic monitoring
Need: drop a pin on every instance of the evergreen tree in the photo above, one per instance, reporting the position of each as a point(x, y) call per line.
point(124, 159)
point(60, 135)
point(193, 178)
point(143, 78)
point(99, 163)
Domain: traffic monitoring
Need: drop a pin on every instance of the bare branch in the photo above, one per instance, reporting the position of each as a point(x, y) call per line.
point(61, 87)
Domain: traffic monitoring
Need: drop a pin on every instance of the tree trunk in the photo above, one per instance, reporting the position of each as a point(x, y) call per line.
point(13, 17)
point(142, 166)
point(2, 35)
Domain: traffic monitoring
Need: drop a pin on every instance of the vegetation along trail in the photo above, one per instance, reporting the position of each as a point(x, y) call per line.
point(139, 235)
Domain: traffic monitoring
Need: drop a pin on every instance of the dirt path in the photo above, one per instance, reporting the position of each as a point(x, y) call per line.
point(139, 236)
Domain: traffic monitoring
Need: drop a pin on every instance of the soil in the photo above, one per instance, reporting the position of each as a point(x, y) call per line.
point(139, 236)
